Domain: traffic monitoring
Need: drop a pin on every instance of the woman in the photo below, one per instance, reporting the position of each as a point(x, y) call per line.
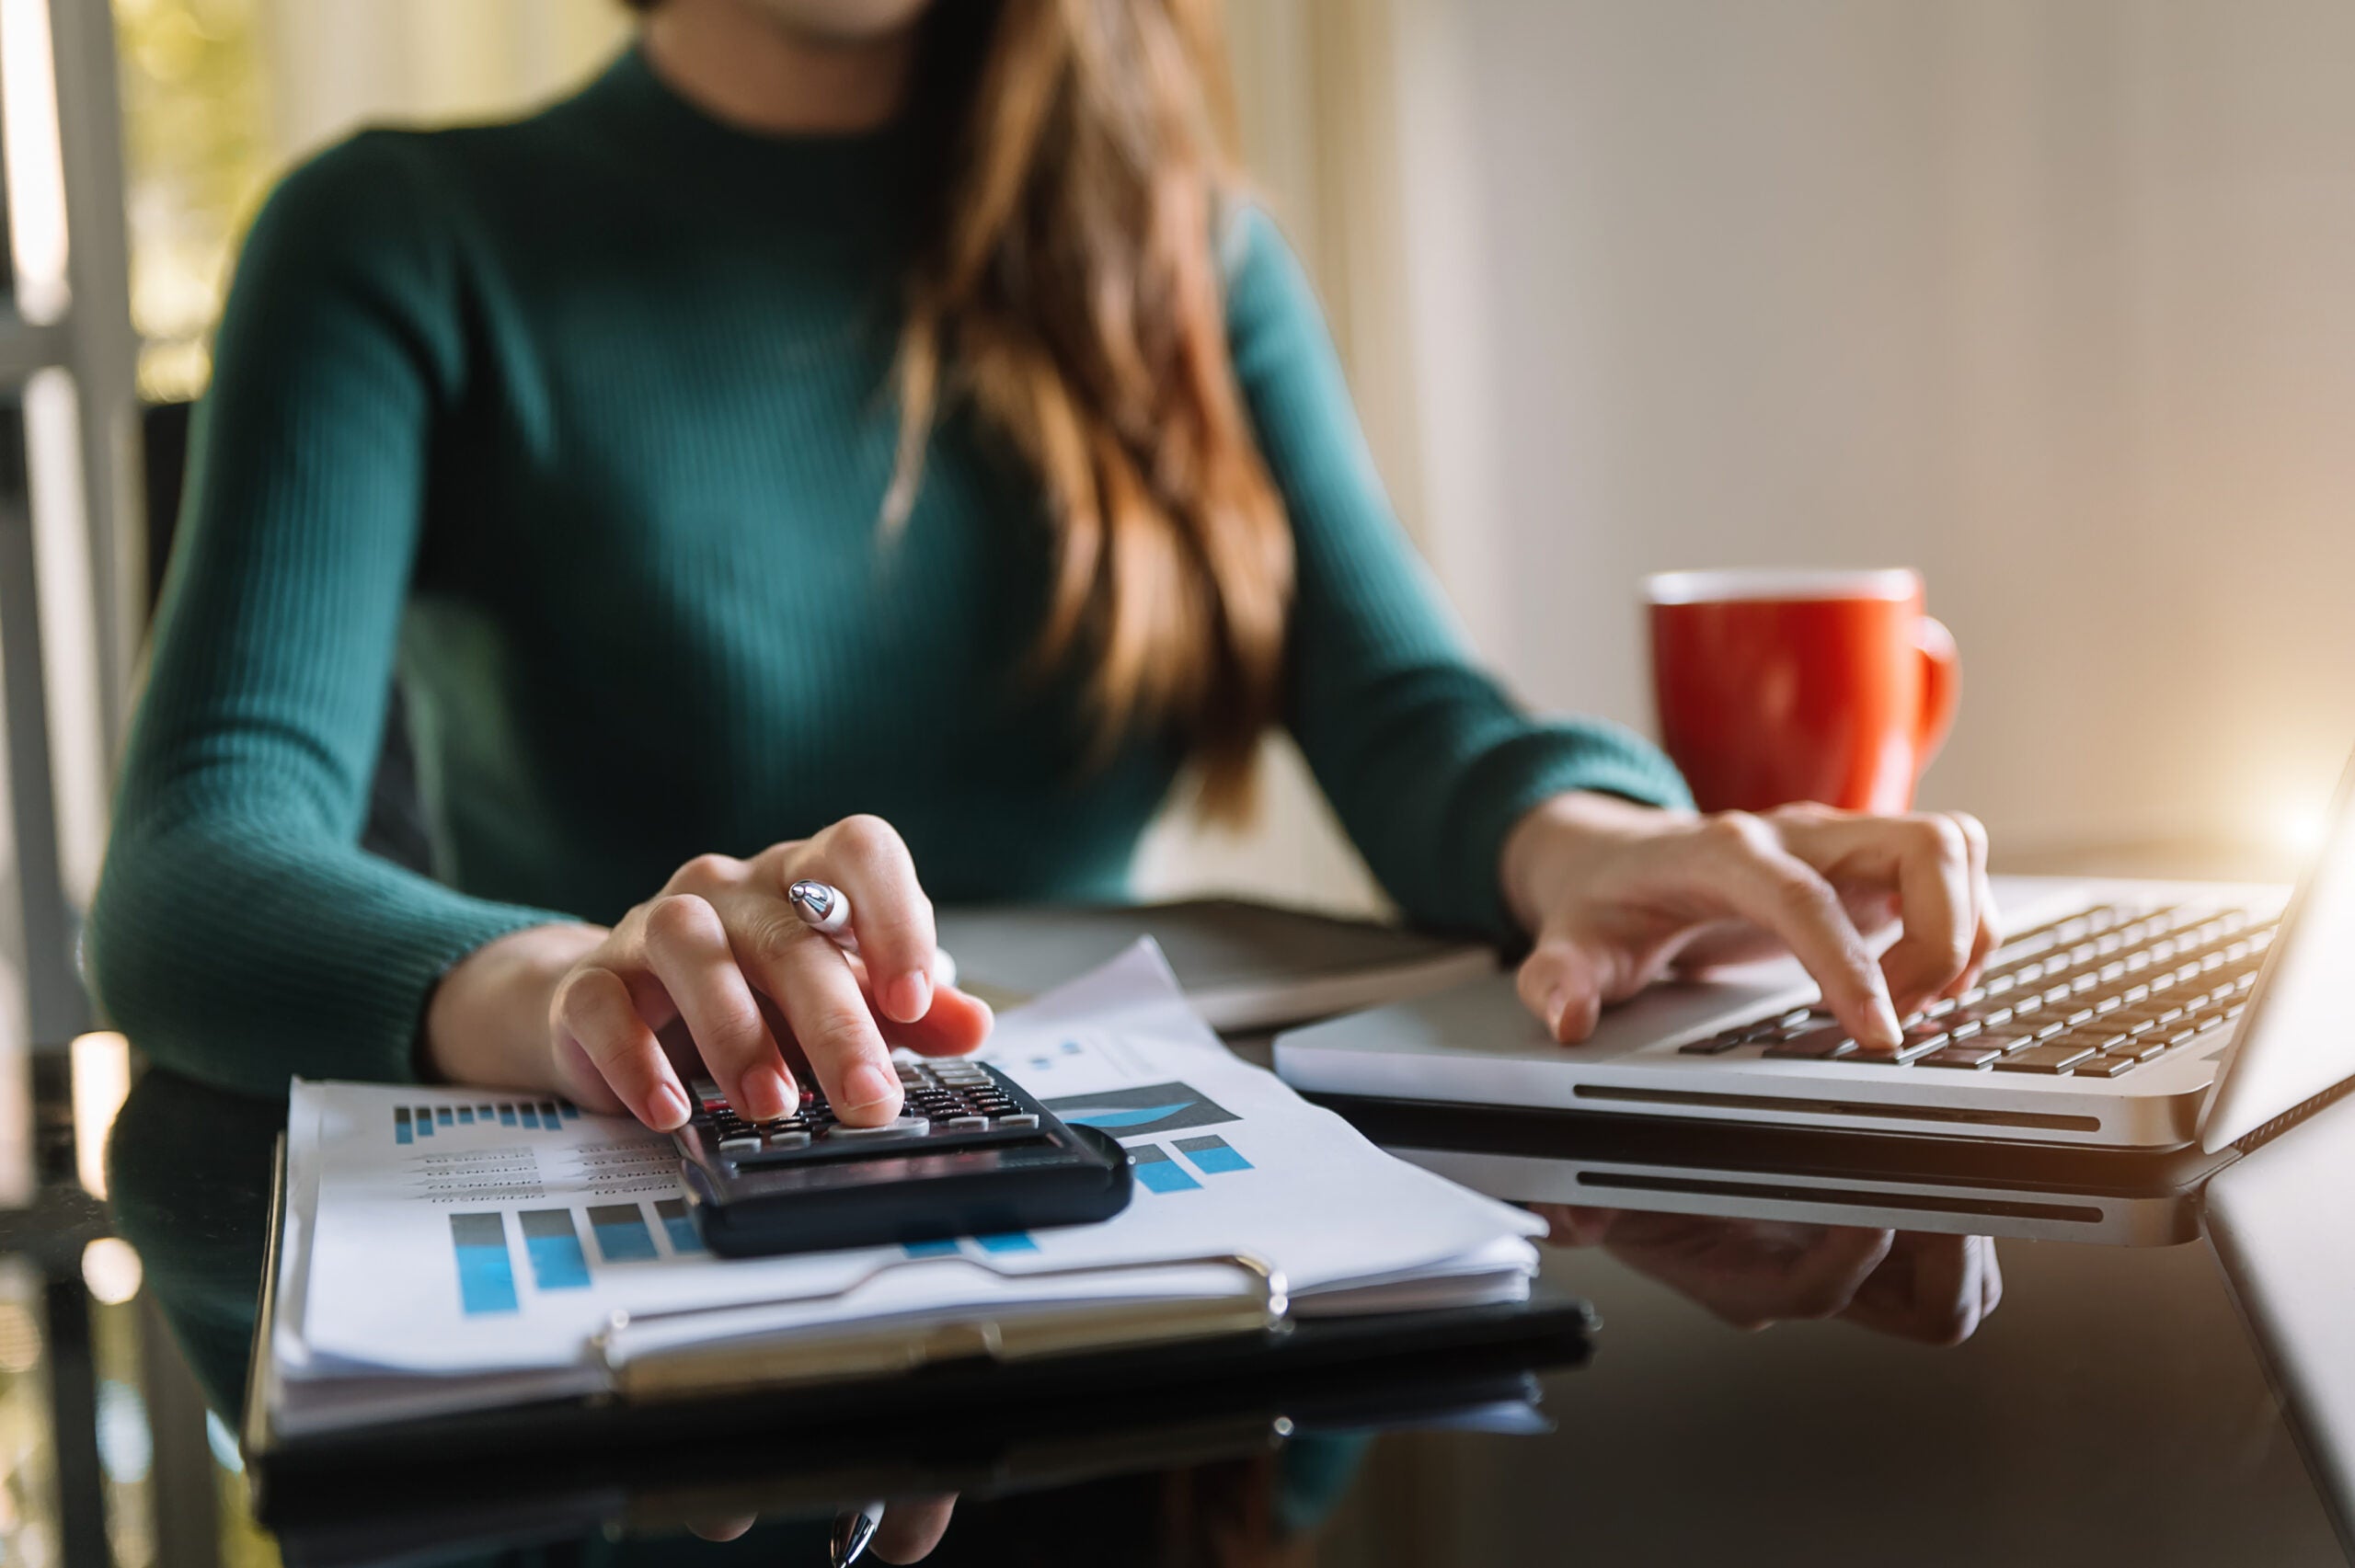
point(874, 432)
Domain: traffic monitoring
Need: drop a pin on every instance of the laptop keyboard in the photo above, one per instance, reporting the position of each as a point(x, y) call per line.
point(2095, 995)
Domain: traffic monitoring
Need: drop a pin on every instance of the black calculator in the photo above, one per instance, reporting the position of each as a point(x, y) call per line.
point(971, 1154)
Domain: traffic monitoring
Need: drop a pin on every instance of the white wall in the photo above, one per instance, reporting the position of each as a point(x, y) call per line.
point(2053, 300)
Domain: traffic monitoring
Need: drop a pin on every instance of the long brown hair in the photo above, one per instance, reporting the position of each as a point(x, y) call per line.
point(1068, 292)
point(1072, 298)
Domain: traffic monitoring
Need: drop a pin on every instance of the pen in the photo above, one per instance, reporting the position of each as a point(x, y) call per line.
point(825, 909)
point(853, 1530)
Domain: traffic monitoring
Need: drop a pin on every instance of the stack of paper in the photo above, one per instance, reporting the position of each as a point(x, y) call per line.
point(448, 1249)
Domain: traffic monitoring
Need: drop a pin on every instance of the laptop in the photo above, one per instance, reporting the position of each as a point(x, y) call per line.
point(2124, 1014)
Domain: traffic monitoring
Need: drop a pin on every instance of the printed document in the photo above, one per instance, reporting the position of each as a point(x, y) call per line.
point(436, 1234)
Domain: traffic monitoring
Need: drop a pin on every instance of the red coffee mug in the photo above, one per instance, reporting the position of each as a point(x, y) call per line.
point(1776, 686)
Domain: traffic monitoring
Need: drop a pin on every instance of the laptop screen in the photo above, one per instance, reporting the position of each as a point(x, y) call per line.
point(2298, 1038)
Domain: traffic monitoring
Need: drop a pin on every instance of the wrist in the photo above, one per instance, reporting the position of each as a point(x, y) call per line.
point(1555, 844)
point(487, 1021)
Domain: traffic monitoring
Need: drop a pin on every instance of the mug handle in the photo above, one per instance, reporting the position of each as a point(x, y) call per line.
point(1941, 685)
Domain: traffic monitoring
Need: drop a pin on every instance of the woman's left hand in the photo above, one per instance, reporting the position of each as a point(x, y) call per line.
point(1933, 1289)
point(1616, 895)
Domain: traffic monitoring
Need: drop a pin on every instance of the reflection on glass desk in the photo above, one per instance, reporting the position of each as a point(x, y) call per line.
point(1952, 1387)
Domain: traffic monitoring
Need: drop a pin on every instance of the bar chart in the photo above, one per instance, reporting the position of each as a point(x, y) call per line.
point(949, 1247)
point(486, 1278)
point(1159, 1171)
point(678, 1225)
point(413, 1123)
point(556, 1247)
point(1212, 1155)
point(552, 1242)
point(621, 1232)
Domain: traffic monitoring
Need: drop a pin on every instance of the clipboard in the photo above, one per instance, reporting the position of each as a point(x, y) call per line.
point(744, 1387)
point(372, 1514)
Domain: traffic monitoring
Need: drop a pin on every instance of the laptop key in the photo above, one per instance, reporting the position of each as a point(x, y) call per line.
point(2106, 1067)
point(1971, 1056)
point(1816, 1044)
point(2055, 1058)
point(1919, 1041)
point(1716, 1045)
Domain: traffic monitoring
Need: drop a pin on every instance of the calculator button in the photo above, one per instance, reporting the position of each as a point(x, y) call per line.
point(965, 1124)
point(905, 1127)
point(738, 1145)
point(788, 1140)
point(1021, 1121)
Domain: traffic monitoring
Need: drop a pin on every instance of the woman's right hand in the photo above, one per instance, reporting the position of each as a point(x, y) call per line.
point(719, 955)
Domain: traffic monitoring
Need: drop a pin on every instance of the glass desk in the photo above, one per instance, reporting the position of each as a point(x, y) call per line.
point(1765, 1387)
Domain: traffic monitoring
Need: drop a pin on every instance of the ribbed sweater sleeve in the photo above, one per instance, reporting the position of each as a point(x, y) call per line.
point(240, 933)
point(1427, 760)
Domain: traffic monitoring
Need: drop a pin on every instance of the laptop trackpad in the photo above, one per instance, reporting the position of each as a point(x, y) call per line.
point(1488, 1017)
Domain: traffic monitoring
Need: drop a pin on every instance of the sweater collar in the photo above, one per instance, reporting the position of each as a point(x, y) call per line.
point(633, 97)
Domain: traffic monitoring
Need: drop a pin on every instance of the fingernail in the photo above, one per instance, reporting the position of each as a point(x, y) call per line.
point(764, 1094)
point(1555, 1005)
point(1885, 1016)
point(866, 1085)
point(910, 997)
point(669, 1107)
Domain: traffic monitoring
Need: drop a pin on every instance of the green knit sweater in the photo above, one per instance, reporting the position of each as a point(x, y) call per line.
point(578, 427)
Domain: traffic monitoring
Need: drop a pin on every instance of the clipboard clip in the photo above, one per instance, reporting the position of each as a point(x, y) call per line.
point(700, 1351)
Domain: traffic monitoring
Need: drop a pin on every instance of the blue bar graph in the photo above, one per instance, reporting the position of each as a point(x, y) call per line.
point(673, 1212)
point(1159, 1172)
point(413, 1122)
point(622, 1235)
point(1212, 1155)
point(940, 1249)
point(553, 1243)
point(486, 1278)
point(1010, 1241)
